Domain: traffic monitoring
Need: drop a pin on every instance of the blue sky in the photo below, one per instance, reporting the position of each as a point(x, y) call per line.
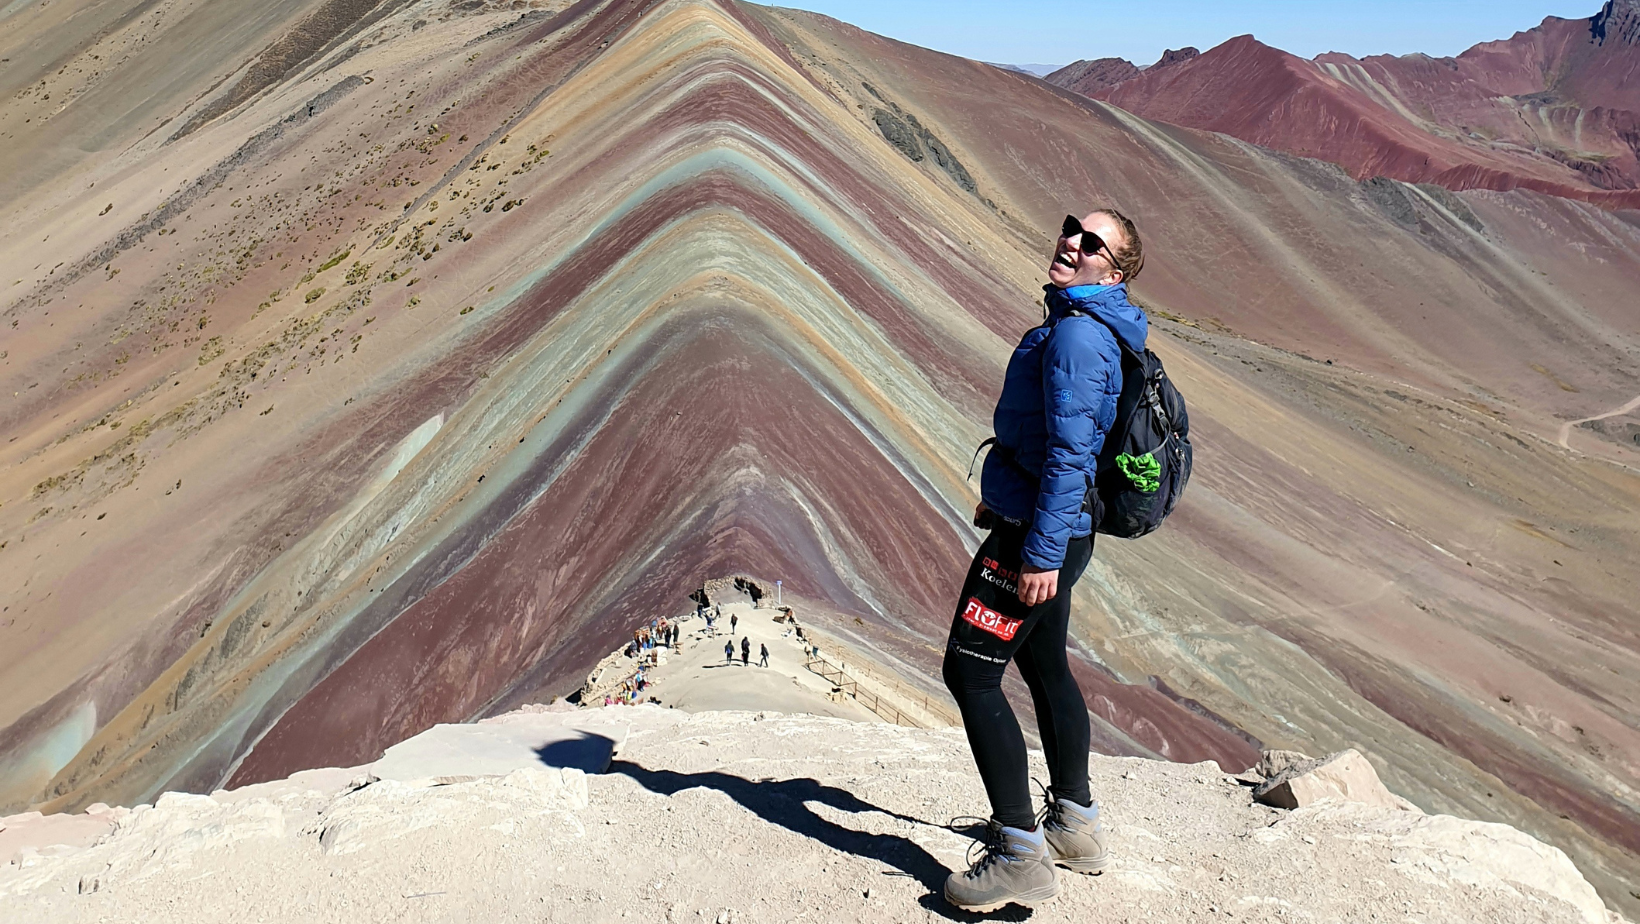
point(1038, 32)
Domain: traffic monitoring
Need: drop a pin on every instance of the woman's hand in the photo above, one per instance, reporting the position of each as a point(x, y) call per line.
point(980, 519)
point(1037, 586)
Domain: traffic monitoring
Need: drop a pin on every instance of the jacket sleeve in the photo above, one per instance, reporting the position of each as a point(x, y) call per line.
point(1076, 368)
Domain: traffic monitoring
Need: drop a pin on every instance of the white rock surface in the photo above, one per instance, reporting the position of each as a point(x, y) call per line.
point(750, 817)
point(518, 741)
point(1346, 776)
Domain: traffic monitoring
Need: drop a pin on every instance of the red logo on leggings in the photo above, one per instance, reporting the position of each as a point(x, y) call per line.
point(978, 614)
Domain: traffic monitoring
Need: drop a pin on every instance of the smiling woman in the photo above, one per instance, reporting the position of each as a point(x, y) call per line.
point(1085, 257)
point(1058, 404)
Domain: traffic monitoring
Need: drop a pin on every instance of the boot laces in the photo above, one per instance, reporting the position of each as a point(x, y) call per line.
point(1050, 813)
point(991, 847)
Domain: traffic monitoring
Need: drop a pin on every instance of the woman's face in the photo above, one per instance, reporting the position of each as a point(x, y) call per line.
point(1072, 267)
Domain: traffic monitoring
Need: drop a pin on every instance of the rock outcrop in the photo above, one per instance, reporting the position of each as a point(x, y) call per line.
point(1291, 780)
point(750, 817)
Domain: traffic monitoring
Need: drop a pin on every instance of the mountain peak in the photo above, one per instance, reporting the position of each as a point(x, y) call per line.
point(1177, 56)
point(1619, 20)
point(1090, 77)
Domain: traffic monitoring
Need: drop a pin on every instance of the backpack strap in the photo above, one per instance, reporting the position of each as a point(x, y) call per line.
point(981, 448)
point(1114, 436)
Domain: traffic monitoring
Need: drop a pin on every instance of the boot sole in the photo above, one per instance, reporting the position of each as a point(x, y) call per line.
point(1090, 866)
point(1023, 898)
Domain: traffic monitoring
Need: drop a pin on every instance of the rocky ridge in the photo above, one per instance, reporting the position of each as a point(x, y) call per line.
point(743, 816)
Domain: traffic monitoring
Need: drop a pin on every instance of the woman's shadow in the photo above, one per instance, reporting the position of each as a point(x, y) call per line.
point(784, 802)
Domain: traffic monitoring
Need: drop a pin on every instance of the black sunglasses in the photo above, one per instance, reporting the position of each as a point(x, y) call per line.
point(1073, 227)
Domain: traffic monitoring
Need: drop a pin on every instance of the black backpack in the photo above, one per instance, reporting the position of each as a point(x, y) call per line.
point(1146, 460)
point(1145, 463)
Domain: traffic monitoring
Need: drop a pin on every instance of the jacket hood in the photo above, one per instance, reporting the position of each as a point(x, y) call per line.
point(1107, 303)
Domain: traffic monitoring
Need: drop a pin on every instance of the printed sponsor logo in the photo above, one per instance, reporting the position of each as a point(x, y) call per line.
point(996, 566)
point(974, 654)
point(981, 616)
point(993, 572)
point(991, 576)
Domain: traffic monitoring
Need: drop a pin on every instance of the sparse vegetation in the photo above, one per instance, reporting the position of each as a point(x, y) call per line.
point(334, 261)
point(212, 349)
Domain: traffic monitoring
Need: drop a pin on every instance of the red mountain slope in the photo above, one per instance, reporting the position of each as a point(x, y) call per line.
point(1553, 109)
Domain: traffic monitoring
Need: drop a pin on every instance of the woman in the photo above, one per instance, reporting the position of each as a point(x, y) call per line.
point(1058, 401)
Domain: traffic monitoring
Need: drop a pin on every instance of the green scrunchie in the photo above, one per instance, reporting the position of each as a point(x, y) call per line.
point(1143, 471)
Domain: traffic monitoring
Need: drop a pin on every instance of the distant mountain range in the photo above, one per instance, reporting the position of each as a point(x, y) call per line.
point(1554, 109)
point(1035, 70)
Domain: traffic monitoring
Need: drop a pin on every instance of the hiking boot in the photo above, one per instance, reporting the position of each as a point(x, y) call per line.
point(1075, 837)
point(1013, 866)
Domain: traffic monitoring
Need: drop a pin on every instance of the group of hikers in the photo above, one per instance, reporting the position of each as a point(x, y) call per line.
point(745, 652)
point(645, 647)
point(712, 614)
point(630, 692)
point(659, 633)
point(666, 633)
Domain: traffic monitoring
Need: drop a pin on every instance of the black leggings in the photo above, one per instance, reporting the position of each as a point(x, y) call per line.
point(993, 627)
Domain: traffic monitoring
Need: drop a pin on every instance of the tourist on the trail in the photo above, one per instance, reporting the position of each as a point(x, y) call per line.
point(1058, 401)
point(734, 620)
point(729, 651)
point(763, 661)
point(745, 652)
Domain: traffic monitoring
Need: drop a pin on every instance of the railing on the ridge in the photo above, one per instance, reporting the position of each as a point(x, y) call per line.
point(908, 694)
point(842, 681)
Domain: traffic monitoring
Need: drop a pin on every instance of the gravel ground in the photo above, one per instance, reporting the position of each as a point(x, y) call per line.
point(745, 817)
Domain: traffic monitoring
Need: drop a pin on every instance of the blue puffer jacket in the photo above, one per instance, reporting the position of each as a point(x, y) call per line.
point(1058, 402)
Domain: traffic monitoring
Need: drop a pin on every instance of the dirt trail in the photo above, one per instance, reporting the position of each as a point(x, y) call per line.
point(1566, 428)
point(698, 678)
